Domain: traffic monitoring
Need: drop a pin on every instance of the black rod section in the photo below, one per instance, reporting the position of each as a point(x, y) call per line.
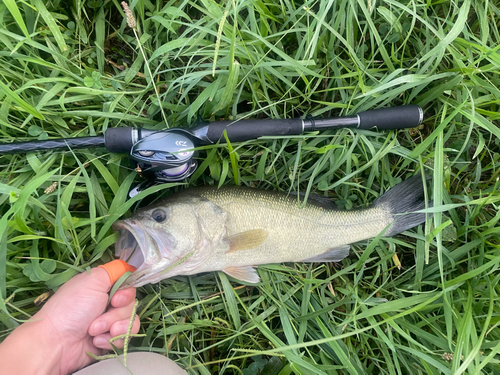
point(407, 116)
point(244, 130)
point(51, 144)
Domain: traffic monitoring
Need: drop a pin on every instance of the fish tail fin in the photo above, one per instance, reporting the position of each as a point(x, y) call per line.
point(402, 201)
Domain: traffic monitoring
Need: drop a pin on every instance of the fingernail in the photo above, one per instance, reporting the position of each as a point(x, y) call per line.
point(100, 342)
point(99, 327)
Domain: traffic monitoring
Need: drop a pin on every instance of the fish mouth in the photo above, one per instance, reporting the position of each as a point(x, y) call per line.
point(143, 247)
point(132, 243)
point(140, 245)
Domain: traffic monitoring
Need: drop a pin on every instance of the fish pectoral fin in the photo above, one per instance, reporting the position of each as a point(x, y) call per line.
point(243, 273)
point(246, 240)
point(335, 254)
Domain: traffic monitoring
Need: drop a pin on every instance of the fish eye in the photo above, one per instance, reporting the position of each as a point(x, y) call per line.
point(159, 215)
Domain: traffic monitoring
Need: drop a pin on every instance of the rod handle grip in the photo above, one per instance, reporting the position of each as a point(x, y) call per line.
point(244, 130)
point(407, 116)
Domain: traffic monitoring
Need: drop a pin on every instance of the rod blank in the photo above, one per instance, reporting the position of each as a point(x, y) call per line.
point(51, 144)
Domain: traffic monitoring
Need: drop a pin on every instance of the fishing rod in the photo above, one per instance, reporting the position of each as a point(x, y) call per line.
point(168, 155)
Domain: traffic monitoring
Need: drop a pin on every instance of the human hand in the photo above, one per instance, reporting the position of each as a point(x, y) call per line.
point(73, 322)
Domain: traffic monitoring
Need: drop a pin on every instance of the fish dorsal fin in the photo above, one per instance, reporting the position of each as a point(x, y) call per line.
point(335, 254)
point(246, 240)
point(243, 273)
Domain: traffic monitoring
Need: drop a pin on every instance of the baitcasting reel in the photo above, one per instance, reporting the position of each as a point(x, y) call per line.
point(165, 156)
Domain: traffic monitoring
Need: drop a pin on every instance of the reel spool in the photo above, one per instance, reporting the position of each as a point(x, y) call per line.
point(166, 156)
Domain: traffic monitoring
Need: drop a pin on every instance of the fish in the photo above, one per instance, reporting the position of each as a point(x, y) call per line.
point(233, 229)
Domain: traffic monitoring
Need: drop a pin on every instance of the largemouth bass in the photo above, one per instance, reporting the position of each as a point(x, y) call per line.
point(235, 228)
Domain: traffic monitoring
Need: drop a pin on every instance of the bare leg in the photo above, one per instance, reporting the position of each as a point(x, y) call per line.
point(139, 363)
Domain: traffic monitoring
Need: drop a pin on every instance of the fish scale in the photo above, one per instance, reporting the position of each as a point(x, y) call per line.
point(235, 228)
point(308, 232)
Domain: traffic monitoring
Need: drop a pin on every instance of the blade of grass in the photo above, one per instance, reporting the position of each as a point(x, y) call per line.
point(14, 10)
point(51, 24)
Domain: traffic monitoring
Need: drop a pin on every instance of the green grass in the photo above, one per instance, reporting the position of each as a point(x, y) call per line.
point(422, 302)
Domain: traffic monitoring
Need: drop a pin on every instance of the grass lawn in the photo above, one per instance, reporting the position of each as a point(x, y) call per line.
point(423, 302)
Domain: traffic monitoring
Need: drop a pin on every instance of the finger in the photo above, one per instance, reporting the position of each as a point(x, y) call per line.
point(91, 348)
point(88, 290)
point(116, 269)
point(104, 322)
point(121, 327)
point(102, 341)
point(123, 297)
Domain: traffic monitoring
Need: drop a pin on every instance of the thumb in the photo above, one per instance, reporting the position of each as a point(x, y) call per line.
point(117, 269)
point(99, 279)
